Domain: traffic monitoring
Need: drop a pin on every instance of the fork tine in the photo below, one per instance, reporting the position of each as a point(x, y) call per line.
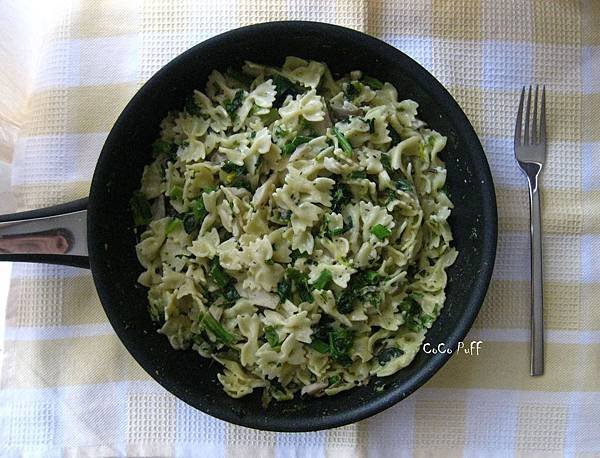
point(543, 117)
point(519, 119)
point(534, 129)
point(527, 116)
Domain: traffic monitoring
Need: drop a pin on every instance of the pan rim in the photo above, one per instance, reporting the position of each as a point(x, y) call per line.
point(489, 213)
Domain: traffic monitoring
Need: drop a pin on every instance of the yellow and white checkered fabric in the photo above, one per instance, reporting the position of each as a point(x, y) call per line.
point(69, 387)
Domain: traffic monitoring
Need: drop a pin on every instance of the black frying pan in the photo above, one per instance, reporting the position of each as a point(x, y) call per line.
point(111, 240)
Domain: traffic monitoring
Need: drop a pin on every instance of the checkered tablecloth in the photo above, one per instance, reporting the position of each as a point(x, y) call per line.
point(68, 387)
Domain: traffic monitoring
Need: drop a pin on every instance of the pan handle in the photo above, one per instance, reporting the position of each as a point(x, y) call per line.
point(51, 235)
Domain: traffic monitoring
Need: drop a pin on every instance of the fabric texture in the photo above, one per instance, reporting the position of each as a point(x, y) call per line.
point(68, 386)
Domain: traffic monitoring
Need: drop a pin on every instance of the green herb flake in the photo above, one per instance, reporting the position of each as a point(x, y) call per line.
point(230, 167)
point(341, 196)
point(394, 136)
point(283, 87)
point(300, 280)
point(371, 123)
point(230, 296)
point(164, 147)
point(191, 107)
point(373, 83)
point(270, 117)
point(199, 210)
point(176, 192)
point(323, 280)
point(272, 336)
point(232, 106)
point(284, 289)
point(343, 141)
point(295, 254)
point(357, 174)
point(340, 344)
point(172, 225)
point(358, 288)
point(334, 379)
point(403, 185)
point(140, 209)
point(320, 346)
point(387, 354)
point(218, 275)
point(352, 89)
point(331, 233)
point(345, 303)
point(194, 218)
point(290, 147)
point(380, 231)
point(216, 328)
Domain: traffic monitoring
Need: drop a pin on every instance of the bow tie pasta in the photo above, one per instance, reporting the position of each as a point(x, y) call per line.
point(294, 228)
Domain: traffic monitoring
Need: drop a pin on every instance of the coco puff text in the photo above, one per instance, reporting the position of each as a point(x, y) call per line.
point(470, 348)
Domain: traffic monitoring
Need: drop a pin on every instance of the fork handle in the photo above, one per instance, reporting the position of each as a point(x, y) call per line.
point(537, 296)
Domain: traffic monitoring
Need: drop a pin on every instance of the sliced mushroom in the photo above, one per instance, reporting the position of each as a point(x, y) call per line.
point(322, 126)
point(314, 389)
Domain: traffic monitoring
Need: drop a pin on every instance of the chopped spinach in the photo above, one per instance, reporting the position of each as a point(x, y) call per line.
point(270, 117)
point(320, 346)
point(394, 136)
point(172, 225)
point(387, 354)
point(342, 141)
point(230, 295)
point(341, 196)
point(283, 87)
point(352, 89)
point(166, 148)
point(216, 328)
point(235, 175)
point(360, 286)
point(323, 280)
point(344, 303)
point(335, 341)
point(340, 344)
point(272, 336)
point(373, 83)
point(191, 107)
point(334, 379)
point(380, 231)
point(221, 278)
point(403, 185)
point(331, 233)
point(230, 167)
point(357, 174)
point(290, 147)
point(176, 192)
point(232, 106)
point(371, 123)
point(295, 254)
point(300, 280)
point(284, 289)
point(194, 218)
point(415, 319)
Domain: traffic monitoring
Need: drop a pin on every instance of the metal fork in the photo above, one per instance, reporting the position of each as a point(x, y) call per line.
point(530, 152)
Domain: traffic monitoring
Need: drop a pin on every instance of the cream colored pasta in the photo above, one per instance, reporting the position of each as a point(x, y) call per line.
point(295, 229)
